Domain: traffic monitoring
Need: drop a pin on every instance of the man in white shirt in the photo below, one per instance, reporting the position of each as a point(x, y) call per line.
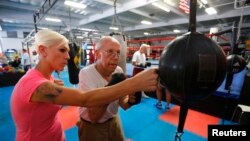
point(139, 60)
point(139, 57)
point(102, 123)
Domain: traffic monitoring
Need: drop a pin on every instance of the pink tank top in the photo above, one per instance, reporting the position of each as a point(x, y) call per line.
point(34, 121)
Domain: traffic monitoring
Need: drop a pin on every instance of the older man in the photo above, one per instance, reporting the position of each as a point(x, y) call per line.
point(102, 123)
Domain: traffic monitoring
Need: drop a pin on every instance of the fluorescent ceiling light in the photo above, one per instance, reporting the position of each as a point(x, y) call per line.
point(53, 19)
point(8, 21)
point(146, 33)
point(78, 10)
point(82, 12)
point(169, 2)
point(146, 22)
point(75, 4)
point(210, 11)
point(176, 31)
point(160, 6)
point(79, 37)
point(108, 2)
point(204, 1)
point(113, 28)
point(43, 27)
point(87, 29)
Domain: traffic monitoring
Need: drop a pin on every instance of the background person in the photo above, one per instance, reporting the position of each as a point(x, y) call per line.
point(139, 57)
point(159, 92)
point(139, 60)
point(25, 60)
point(3, 60)
point(35, 58)
point(37, 97)
point(16, 63)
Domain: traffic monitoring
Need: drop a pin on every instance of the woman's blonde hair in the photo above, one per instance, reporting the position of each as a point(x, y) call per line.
point(48, 38)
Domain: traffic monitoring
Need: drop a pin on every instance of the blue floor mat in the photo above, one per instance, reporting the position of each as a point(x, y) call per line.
point(7, 127)
point(142, 123)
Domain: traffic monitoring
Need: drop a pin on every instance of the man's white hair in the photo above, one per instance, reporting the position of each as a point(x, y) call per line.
point(104, 39)
point(144, 45)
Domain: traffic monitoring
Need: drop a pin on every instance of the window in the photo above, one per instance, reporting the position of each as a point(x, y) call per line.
point(11, 34)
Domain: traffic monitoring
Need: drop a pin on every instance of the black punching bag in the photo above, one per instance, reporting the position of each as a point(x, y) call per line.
point(192, 66)
point(74, 63)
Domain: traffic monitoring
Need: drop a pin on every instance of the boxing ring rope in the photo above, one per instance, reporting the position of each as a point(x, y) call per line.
point(158, 49)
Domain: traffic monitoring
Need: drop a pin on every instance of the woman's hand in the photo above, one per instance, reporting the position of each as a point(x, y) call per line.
point(145, 80)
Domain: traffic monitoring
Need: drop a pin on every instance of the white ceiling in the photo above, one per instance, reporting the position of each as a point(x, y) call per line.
point(18, 14)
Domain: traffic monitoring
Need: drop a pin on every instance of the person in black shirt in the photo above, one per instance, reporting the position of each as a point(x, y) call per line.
point(16, 63)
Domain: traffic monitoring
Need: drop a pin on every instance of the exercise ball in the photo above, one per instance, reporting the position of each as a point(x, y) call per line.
point(235, 63)
point(192, 67)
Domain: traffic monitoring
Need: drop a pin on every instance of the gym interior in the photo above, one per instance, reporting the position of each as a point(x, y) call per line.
point(211, 89)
